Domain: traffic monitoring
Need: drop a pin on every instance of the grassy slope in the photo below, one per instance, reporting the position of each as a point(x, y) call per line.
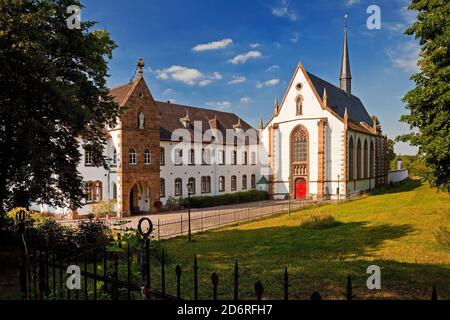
point(393, 229)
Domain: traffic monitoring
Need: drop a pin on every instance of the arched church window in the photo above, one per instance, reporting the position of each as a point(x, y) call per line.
point(114, 156)
point(299, 105)
point(300, 145)
point(366, 159)
point(358, 160)
point(350, 159)
point(114, 190)
point(372, 157)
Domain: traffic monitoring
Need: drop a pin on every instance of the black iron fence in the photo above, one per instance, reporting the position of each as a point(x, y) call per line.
point(118, 270)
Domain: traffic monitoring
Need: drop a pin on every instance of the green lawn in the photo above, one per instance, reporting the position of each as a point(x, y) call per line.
point(392, 228)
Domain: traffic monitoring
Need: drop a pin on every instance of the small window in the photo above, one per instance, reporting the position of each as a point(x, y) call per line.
point(244, 182)
point(178, 157)
point(191, 157)
point(114, 157)
point(133, 156)
point(206, 155)
point(233, 183)
point(93, 191)
point(253, 158)
point(162, 188)
point(234, 157)
point(244, 158)
point(147, 157)
point(253, 181)
point(221, 184)
point(191, 183)
point(221, 157)
point(178, 187)
point(114, 190)
point(162, 156)
point(88, 158)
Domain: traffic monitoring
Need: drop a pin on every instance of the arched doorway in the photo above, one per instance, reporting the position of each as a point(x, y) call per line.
point(300, 188)
point(140, 199)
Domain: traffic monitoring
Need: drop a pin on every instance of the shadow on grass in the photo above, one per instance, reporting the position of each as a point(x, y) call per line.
point(317, 260)
point(403, 186)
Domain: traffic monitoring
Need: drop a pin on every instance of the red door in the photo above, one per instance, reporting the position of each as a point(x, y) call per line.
point(300, 189)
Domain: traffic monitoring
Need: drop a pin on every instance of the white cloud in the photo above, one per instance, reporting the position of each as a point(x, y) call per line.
point(246, 100)
point(283, 10)
point(254, 45)
point(271, 68)
point(409, 16)
point(277, 44)
point(189, 76)
point(242, 58)
point(214, 45)
point(295, 37)
point(349, 3)
point(268, 83)
point(168, 92)
point(219, 105)
point(405, 56)
point(237, 79)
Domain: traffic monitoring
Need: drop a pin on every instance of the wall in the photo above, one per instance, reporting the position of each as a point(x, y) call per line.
point(398, 175)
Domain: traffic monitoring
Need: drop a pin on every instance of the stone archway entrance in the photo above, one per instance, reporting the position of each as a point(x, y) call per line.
point(140, 199)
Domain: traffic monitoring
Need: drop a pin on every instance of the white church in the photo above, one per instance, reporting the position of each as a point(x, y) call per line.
point(319, 143)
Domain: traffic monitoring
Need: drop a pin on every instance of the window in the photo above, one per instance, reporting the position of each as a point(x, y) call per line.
point(114, 156)
point(300, 145)
point(221, 184)
point(366, 160)
point(372, 157)
point(133, 156)
point(221, 157)
point(206, 184)
point(162, 188)
point(253, 181)
point(114, 190)
point(253, 158)
point(191, 183)
point(191, 157)
point(234, 157)
point(178, 157)
point(358, 160)
point(162, 156)
point(93, 191)
point(244, 157)
point(350, 159)
point(244, 182)
point(206, 156)
point(88, 159)
point(147, 157)
point(178, 187)
point(233, 183)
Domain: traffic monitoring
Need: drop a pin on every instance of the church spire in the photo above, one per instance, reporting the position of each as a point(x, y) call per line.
point(141, 65)
point(345, 77)
point(261, 124)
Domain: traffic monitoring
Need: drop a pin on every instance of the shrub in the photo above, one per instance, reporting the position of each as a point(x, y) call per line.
point(92, 233)
point(103, 208)
point(320, 221)
point(225, 199)
point(442, 236)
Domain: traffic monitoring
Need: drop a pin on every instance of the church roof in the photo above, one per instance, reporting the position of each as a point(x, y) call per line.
point(338, 100)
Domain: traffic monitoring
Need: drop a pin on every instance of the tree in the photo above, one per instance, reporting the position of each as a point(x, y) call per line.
point(390, 150)
point(54, 92)
point(429, 102)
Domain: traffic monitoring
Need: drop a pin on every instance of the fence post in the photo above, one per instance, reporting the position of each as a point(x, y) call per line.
point(145, 255)
point(259, 290)
point(236, 280)
point(178, 273)
point(163, 272)
point(195, 278)
point(159, 232)
point(201, 220)
point(21, 216)
point(181, 224)
point(434, 296)
point(215, 281)
point(349, 294)
point(286, 284)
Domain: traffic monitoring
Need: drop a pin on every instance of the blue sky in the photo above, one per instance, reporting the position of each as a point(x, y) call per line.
point(238, 56)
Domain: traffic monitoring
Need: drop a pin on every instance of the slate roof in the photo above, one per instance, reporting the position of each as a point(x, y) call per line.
point(171, 114)
point(338, 100)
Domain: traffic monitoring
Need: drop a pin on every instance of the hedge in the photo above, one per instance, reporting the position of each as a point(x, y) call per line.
point(225, 199)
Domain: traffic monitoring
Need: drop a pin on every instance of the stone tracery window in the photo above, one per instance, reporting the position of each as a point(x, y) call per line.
point(300, 140)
